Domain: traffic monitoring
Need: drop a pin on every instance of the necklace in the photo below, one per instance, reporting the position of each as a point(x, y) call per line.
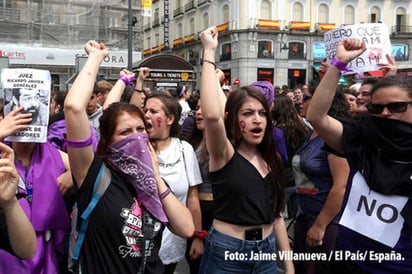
point(160, 144)
point(159, 140)
point(250, 154)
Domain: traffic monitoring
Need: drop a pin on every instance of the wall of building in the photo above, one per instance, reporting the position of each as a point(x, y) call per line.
point(244, 32)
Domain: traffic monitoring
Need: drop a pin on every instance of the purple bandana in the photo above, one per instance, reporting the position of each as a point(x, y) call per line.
point(131, 156)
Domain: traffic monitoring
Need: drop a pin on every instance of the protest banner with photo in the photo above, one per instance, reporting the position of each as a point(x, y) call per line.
point(29, 88)
point(377, 40)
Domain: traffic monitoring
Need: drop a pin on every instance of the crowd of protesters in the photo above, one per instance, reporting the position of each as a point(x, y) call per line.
point(245, 180)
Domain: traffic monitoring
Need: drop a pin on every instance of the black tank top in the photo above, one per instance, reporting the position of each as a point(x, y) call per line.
point(241, 195)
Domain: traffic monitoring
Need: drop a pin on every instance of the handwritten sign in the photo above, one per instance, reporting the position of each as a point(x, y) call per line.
point(376, 38)
point(29, 88)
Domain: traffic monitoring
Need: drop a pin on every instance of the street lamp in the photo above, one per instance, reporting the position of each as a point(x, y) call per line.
point(129, 37)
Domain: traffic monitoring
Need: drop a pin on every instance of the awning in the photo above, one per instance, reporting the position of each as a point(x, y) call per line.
point(373, 73)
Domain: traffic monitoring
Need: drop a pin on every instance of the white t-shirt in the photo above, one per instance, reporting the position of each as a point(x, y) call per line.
point(185, 111)
point(179, 172)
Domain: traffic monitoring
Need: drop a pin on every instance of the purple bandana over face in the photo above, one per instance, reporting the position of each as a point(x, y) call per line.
point(131, 156)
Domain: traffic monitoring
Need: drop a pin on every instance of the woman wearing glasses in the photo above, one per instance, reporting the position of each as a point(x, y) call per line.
point(377, 211)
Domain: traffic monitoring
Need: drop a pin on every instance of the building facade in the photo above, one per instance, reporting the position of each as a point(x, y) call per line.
point(276, 40)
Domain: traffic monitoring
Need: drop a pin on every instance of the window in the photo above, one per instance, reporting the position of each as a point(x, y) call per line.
point(157, 40)
point(375, 15)
point(323, 14)
point(226, 52)
point(205, 20)
point(193, 57)
point(265, 10)
point(225, 12)
point(148, 43)
point(125, 20)
point(192, 26)
point(297, 12)
point(400, 52)
point(297, 50)
point(349, 15)
point(265, 74)
point(179, 31)
point(156, 16)
point(319, 51)
point(401, 25)
point(265, 49)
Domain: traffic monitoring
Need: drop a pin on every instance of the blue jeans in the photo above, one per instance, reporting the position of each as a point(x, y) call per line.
point(226, 254)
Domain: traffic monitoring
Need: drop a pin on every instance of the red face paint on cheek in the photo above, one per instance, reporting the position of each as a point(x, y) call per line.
point(242, 126)
point(158, 121)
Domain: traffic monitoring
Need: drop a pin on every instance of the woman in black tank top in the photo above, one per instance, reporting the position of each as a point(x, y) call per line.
point(248, 222)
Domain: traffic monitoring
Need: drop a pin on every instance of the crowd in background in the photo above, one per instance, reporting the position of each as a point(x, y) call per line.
point(196, 173)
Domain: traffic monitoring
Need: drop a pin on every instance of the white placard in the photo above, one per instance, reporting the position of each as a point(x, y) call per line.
point(377, 40)
point(29, 88)
point(372, 214)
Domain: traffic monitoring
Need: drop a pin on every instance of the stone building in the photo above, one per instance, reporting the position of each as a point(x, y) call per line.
point(276, 40)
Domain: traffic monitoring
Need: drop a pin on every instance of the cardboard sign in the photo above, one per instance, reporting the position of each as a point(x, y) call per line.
point(29, 88)
point(376, 38)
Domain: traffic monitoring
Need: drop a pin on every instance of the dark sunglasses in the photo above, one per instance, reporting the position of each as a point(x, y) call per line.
point(395, 107)
point(306, 97)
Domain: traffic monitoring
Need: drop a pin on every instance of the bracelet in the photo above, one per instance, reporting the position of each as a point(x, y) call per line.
point(127, 80)
point(79, 143)
point(339, 65)
point(165, 194)
point(200, 234)
point(210, 62)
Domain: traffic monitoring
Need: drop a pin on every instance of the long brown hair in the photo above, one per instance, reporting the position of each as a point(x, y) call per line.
point(286, 117)
point(266, 148)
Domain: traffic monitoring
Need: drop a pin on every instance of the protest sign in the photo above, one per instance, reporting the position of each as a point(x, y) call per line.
point(376, 38)
point(29, 88)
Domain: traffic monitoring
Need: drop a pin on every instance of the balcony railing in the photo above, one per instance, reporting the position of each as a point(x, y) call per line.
point(202, 2)
point(225, 56)
point(190, 6)
point(147, 26)
point(177, 12)
point(156, 22)
point(401, 29)
point(324, 26)
point(7, 14)
point(299, 25)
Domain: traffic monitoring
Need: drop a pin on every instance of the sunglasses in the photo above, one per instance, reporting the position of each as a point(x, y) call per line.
point(395, 107)
point(306, 97)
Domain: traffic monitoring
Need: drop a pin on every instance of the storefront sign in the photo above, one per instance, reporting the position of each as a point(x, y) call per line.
point(59, 57)
point(156, 75)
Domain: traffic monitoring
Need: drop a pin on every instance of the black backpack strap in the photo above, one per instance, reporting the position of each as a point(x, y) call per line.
point(148, 224)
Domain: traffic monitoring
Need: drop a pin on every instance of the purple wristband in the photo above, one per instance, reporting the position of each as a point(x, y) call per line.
point(127, 80)
point(79, 143)
point(165, 193)
point(339, 65)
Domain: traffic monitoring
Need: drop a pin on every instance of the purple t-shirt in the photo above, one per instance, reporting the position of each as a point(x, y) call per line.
point(280, 143)
point(312, 176)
